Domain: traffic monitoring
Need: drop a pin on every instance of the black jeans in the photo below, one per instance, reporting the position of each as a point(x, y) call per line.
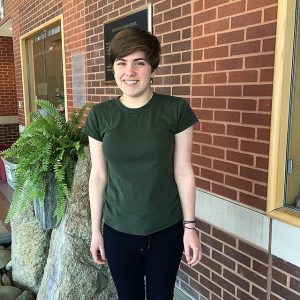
point(134, 260)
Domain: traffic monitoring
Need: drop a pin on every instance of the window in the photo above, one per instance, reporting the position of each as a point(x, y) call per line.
point(292, 178)
point(45, 65)
point(284, 155)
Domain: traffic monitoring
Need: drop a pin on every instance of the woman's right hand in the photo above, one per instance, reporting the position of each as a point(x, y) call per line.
point(97, 248)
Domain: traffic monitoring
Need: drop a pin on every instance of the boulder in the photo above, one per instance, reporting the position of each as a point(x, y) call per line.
point(26, 295)
point(70, 272)
point(29, 253)
point(4, 257)
point(5, 280)
point(9, 266)
point(9, 293)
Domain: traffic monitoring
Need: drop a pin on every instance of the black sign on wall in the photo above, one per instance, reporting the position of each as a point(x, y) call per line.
point(141, 19)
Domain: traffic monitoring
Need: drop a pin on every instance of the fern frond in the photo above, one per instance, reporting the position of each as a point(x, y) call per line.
point(52, 111)
point(62, 190)
point(76, 117)
point(48, 144)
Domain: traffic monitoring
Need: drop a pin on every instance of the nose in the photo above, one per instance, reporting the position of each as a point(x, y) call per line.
point(130, 70)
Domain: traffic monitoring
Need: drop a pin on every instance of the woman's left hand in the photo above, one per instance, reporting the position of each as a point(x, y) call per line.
point(192, 247)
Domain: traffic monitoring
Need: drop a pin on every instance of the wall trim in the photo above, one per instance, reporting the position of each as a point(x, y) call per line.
point(250, 225)
point(8, 120)
point(286, 242)
point(247, 224)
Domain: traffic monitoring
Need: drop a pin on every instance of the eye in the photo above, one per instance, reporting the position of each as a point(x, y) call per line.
point(140, 63)
point(120, 63)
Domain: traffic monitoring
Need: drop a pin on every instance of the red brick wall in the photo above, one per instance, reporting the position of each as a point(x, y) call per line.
point(12, 11)
point(8, 99)
point(217, 54)
point(27, 15)
point(228, 50)
point(233, 62)
point(35, 13)
point(234, 269)
point(172, 25)
point(285, 280)
point(9, 133)
point(75, 38)
point(30, 14)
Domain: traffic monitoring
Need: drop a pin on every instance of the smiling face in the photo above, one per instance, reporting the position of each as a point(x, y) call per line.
point(133, 74)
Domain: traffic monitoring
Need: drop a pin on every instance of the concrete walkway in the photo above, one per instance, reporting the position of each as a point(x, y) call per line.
point(178, 295)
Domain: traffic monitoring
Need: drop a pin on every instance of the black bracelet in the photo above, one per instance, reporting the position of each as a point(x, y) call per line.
point(189, 222)
point(189, 228)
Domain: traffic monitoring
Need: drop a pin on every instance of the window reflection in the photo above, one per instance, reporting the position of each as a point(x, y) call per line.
point(292, 194)
point(45, 67)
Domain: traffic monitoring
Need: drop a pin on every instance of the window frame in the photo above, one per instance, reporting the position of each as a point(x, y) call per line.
point(25, 69)
point(280, 113)
point(1, 9)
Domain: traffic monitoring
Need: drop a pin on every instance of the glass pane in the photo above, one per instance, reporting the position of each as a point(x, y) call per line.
point(45, 67)
point(40, 76)
point(293, 164)
point(54, 66)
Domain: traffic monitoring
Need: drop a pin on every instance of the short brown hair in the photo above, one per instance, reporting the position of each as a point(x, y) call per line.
point(134, 39)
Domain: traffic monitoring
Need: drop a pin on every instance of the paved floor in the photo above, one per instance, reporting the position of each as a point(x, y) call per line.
point(5, 197)
point(6, 190)
point(178, 295)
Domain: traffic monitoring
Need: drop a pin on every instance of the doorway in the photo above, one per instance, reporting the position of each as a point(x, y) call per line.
point(45, 67)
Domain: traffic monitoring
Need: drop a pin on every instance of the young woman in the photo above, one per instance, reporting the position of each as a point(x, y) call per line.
point(142, 182)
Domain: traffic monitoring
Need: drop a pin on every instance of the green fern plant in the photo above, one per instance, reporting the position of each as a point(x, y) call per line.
point(48, 144)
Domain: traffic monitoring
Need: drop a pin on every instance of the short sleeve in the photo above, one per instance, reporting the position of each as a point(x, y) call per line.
point(185, 116)
point(91, 126)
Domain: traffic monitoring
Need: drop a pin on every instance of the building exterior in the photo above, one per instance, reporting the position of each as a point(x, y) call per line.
point(237, 63)
point(9, 128)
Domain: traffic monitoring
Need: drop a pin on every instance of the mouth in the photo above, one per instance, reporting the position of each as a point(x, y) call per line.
point(130, 82)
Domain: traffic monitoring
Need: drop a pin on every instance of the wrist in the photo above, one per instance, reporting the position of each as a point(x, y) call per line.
point(96, 229)
point(189, 224)
point(189, 228)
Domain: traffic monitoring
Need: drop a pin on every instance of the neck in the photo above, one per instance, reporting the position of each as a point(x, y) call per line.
point(136, 102)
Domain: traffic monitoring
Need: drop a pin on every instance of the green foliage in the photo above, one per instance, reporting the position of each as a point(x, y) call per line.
point(48, 144)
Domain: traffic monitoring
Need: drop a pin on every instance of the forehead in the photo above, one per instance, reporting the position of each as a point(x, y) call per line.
point(134, 55)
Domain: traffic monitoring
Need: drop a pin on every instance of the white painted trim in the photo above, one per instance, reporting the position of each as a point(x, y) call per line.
point(8, 120)
point(249, 225)
point(286, 242)
point(233, 218)
point(21, 128)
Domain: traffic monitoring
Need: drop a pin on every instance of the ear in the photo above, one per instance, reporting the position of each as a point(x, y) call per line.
point(152, 77)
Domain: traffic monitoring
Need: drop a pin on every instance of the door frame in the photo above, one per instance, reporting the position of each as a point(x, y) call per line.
point(280, 113)
point(25, 68)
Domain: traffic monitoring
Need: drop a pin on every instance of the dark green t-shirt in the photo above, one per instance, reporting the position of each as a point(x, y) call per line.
point(141, 196)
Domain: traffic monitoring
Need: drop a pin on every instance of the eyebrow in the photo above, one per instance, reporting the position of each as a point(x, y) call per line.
point(122, 59)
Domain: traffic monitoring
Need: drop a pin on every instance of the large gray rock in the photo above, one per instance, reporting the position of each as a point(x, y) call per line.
point(5, 280)
point(4, 257)
point(26, 295)
point(9, 293)
point(30, 244)
point(70, 272)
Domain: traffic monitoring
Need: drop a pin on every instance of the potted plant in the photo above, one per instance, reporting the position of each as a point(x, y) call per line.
point(46, 152)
